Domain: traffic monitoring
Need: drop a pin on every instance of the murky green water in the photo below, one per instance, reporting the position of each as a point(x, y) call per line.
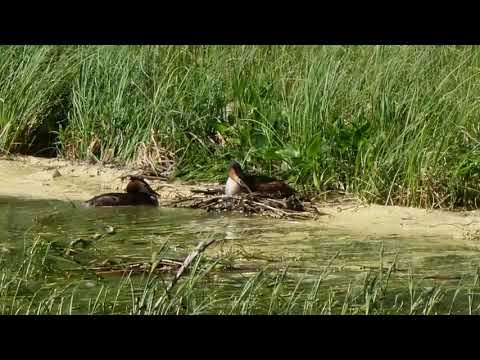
point(246, 244)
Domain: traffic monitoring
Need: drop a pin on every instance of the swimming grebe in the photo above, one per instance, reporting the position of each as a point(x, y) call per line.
point(138, 192)
point(238, 182)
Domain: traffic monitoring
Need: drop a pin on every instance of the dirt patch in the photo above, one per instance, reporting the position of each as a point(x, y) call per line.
point(52, 178)
point(43, 178)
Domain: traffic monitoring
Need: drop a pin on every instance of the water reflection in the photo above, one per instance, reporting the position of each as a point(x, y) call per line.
point(251, 242)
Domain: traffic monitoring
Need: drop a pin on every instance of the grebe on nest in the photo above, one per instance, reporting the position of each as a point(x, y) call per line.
point(238, 182)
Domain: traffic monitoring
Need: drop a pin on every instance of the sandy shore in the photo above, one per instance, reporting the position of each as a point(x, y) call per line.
point(41, 178)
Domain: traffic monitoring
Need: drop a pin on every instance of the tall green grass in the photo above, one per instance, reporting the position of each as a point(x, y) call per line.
point(391, 124)
point(33, 83)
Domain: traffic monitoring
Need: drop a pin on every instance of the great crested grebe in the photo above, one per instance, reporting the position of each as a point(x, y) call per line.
point(238, 182)
point(138, 193)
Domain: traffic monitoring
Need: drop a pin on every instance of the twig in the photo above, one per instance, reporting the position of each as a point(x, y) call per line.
point(200, 249)
point(141, 266)
point(249, 203)
point(175, 202)
point(186, 263)
point(207, 191)
point(142, 176)
point(280, 212)
point(208, 201)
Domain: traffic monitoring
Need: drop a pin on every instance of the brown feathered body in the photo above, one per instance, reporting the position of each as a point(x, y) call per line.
point(238, 182)
point(138, 193)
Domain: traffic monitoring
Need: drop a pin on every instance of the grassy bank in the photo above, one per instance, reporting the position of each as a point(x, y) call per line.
point(391, 124)
point(45, 279)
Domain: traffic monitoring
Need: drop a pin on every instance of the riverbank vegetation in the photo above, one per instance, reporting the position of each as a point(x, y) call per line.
point(50, 278)
point(389, 124)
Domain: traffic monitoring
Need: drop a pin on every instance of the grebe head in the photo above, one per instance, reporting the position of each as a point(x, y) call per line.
point(235, 181)
point(138, 184)
point(235, 170)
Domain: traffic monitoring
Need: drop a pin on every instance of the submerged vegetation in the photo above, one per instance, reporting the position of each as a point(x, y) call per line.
point(31, 285)
point(390, 124)
point(59, 259)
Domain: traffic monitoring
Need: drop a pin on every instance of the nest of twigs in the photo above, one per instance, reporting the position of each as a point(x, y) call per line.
point(251, 203)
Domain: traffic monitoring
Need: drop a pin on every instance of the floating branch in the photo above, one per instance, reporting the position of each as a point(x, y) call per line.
point(186, 263)
point(138, 267)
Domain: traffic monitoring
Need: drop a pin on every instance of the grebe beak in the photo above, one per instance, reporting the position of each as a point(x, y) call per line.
point(235, 176)
point(242, 184)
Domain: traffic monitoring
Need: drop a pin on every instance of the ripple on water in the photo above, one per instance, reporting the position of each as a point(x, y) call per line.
point(250, 242)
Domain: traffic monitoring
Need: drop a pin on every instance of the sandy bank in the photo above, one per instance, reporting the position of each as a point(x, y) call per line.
point(41, 178)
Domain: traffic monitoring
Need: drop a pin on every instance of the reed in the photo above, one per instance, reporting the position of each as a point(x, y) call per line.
point(390, 124)
point(35, 284)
